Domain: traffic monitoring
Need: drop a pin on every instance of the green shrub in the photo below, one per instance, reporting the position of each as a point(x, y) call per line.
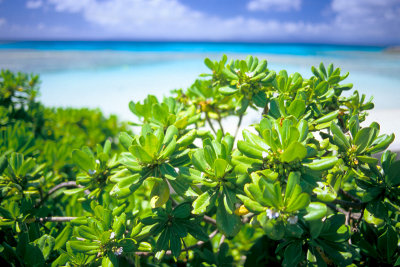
point(299, 187)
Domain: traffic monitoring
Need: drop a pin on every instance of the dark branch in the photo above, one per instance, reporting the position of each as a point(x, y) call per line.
point(51, 219)
point(349, 204)
point(54, 189)
point(350, 196)
point(209, 220)
point(65, 184)
point(352, 215)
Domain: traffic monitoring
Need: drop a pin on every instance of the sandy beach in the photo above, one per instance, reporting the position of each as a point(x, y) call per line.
point(109, 80)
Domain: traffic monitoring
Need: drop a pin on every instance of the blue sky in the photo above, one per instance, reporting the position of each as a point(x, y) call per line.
point(370, 22)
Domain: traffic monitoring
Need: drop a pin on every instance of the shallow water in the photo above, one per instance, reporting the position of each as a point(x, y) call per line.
point(110, 74)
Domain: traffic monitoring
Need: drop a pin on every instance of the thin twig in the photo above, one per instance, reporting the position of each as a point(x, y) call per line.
point(354, 216)
point(57, 187)
point(65, 184)
point(222, 240)
point(349, 204)
point(220, 124)
point(209, 220)
point(51, 219)
point(238, 126)
point(210, 123)
point(348, 195)
point(186, 249)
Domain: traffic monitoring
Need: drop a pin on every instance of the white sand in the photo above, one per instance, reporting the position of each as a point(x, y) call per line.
point(110, 79)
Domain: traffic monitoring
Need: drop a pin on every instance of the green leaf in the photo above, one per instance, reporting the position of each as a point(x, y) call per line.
point(325, 192)
point(198, 160)
point(229, 74)
point(315, 211)
point(169, 134)
point(87, 232)
point(295, 151)
point(201, 203)
point(227, 90)
point(367, 159)
point(175, 242)
point(169, 149)
point(163, 240)
point(249, 150)
point(229, 199)
point(220, 166)
point(334, 79)
point(85, 247)
point(321, 88)
point(140, 154)
point(393, 175)
point(119, 225)
point(182, 210)
point(328, 117)
point(251, 205)
point(74, 191)
point(364, 138)
point(322, 69)
point(339, 138)
point(159, 194)
point(260, 99)
point(228, 224)
point(293, 180)
point(243, 105)
point(196, 231)
point(297, 108)
point(315, 228)
point(46, 245)
point(274, 229)
point(3, 163)
point(187, 139)
point(387, 243)
point(302, 201)
point(293, 254)
point(63, 237)
point(254, 191)
point(322, 164)
point(82, 159)
point(209, 63)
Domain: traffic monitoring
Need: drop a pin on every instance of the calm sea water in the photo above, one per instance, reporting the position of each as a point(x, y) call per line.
point(110, 74)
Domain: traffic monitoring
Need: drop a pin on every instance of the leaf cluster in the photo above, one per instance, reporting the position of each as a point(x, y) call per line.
point(302, 186)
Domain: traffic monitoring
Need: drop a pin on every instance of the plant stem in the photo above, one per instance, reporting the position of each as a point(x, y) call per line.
point(220, 124)
point(349, 204)
point(355, 216)
point(348, 195)
point(187, 251)
point(210, 123)
point(55, 188)
point(51, 219)
point(209, 220)
point(238, 126)
point(65, 184)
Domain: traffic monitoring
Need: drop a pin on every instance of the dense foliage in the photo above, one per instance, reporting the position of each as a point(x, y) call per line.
point(302, 186)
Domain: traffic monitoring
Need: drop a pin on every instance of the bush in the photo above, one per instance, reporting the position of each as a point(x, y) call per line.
point(299, 187)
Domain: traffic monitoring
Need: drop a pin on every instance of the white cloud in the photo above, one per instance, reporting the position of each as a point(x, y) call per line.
point(33, 4)
point(279, 5)
point(353, 21)
point(2, 21)
point(172, 19)
point(358, 18)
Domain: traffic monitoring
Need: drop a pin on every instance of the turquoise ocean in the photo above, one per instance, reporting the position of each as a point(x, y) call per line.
point(109, 74)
